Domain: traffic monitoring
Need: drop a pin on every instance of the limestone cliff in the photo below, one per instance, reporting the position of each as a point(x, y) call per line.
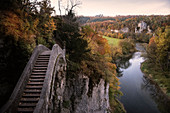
point(80, 95)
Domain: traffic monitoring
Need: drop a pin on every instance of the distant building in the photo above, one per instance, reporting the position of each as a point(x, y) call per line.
point(125, 30)
point(100, 15)
point(116, 31)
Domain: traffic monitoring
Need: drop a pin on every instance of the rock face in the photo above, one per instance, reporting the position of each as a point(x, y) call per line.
point(141, 27)
point(80, 95)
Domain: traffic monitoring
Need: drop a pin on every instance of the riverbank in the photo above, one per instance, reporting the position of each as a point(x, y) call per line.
point(161, 80)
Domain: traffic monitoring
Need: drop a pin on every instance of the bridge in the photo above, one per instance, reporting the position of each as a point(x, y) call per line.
point(34, 92)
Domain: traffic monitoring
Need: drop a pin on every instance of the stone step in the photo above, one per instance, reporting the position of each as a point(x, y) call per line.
point(37, 70)
point(33, 87)
point(36, 80)
point(27, 105)
point(25, 110)
point(37, 77)
point(26, 95)
point(32, 91)
point(30, 100)
point(38, 65)
point(42, 63)
point(38, 73)
point(44, 57)
point(35, 83)
point(41, 58)
point(40, 68)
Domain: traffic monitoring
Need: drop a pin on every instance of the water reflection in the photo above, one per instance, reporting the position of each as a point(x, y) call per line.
point(162, 103)
point(138, 96)
point(122, 64)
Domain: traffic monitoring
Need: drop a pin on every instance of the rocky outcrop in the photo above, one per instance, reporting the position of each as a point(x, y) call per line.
point(80, 95)
point(141, 27)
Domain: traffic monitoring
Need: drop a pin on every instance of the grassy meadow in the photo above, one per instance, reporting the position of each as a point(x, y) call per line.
point(112, 41)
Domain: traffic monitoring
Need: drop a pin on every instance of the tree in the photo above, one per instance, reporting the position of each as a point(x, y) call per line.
point(162, 40)
point(10, 4)
point(68, 30)
point(151, 50)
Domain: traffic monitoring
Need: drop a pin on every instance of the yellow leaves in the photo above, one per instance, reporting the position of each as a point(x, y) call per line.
point(11, 23)
point(162, 41)
point(111, 65)
point(35, 23)
point(49, 26)
point(99, 63)
point(16, 27)
point(46, 25)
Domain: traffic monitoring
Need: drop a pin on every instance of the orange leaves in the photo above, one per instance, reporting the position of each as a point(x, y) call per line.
point(120, 36)
point(111, 65)
point(11, 23)
point(17, 27)
point(152, 42)
point(50, 26)
point(96, 42)
point(103, 46)
point(100, 60)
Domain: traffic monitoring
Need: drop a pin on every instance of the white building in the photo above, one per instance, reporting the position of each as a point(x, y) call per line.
point(116, 31)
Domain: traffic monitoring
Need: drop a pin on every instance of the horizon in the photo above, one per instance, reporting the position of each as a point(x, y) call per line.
point(124, 15)
point(112, 8)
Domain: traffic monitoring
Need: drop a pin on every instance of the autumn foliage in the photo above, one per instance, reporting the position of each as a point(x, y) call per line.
point(98, 62)
point(159, 48)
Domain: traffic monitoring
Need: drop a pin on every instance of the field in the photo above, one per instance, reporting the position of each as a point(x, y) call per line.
point(112, 41)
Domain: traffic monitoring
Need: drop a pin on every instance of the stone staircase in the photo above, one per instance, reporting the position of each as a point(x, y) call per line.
point(32, 91)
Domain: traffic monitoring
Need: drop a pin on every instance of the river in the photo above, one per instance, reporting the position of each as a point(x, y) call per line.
point(137, 91)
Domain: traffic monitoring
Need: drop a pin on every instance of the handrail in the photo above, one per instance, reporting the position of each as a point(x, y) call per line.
point(13, 101)
point(43, 103)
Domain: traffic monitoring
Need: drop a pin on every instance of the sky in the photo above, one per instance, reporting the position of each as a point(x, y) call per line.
point(118, 7)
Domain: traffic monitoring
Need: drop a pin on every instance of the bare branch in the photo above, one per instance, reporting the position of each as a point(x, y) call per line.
point(59, 6)
point(69, 5)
